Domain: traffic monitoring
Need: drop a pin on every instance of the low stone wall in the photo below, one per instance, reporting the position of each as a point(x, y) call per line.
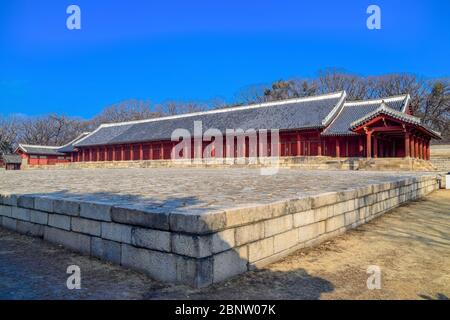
point(440, 157)
point(199, 248)
point(306, 163)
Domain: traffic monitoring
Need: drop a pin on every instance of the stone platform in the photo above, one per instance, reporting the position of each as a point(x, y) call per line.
point(197, 226)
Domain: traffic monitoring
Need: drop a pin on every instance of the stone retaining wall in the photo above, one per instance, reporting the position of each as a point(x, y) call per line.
point(202, 248)
point(306, 163)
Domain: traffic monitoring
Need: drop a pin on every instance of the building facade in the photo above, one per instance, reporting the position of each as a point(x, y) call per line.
point(320, 126)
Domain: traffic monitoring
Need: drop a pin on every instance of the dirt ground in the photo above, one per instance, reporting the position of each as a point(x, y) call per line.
point(411, 245)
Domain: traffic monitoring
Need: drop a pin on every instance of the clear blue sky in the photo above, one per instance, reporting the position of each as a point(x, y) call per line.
point(202, 49)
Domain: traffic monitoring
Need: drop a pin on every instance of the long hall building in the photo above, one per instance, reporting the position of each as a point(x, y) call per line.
point(327, 125)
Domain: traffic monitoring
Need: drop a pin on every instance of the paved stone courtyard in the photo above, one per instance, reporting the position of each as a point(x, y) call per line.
point(411, 244)
point(169, 189)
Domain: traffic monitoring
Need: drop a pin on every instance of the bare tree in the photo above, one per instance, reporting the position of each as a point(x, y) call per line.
point(129, 110)
point(8, 134)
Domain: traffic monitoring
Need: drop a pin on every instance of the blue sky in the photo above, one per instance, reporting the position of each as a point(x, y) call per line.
point(202, 49)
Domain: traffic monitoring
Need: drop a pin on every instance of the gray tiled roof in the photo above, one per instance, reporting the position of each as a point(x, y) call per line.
point(40, 150)
point(11, 159)
point(353, 111)
point(282, 115)
point(70, 146)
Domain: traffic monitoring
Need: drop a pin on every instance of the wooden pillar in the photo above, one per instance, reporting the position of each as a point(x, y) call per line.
point(319, 148)
point(369, 144)
point(407, 145)
point(338, 148)
point(122, 153)
point(151, 151)
point(381, 148)
point(299, 145)
point(360, 147)
point(415, 147)
point(375, 147)
point(424, 149)
point(428, 151)
point(161, 153)
point(346, 147)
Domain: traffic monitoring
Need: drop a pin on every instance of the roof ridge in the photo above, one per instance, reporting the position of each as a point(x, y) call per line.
point(389, 110)
point(237, 108)
point(378, 100)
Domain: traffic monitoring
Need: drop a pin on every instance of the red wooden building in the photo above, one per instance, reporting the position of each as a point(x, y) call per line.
point(34, 155)
point(326, 125)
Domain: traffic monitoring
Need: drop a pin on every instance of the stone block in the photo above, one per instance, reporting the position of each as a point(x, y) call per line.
point(158, 265)
point(230, 263)
point(5, 211)
point(278, 225)
point(192, 245)
point(304, 218)
point(311, 231)
point(351, 217)
point(299, 205)
point(9, 223)
point(116, 232)
point(21, 213)
point(95, 211)
point(156, 219)
point(285, 240)
point(248, 214)
point(31, 229)
point(321, 214)
point(67, 207)
point(59, 221)
point(223, 240)
point(87, 226)
point(260, 249)
point(39, 217)
point(43, 204)
point(25, 202)
point(75, 241)
point(324, 199)
point(335, 223)
point(151, 239)
point(197, 221)
point(249, 233)
point(106, 250)
point(197, 273)
point(8, 199)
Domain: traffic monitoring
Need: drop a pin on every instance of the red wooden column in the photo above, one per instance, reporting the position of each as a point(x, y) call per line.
point(420, 148)
point(360, 147)
point(428, 150)
point(375, 147)
point(106, 154)
point(407, 145)
point(299, 145)
point(122, 154)
point(113, 153)
point(424, 149)
point(416, 147)
point(141, 152)
point(319, 148)
point(151, 151)
point(338, 148)
point(161, 153)
point(369, 143)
